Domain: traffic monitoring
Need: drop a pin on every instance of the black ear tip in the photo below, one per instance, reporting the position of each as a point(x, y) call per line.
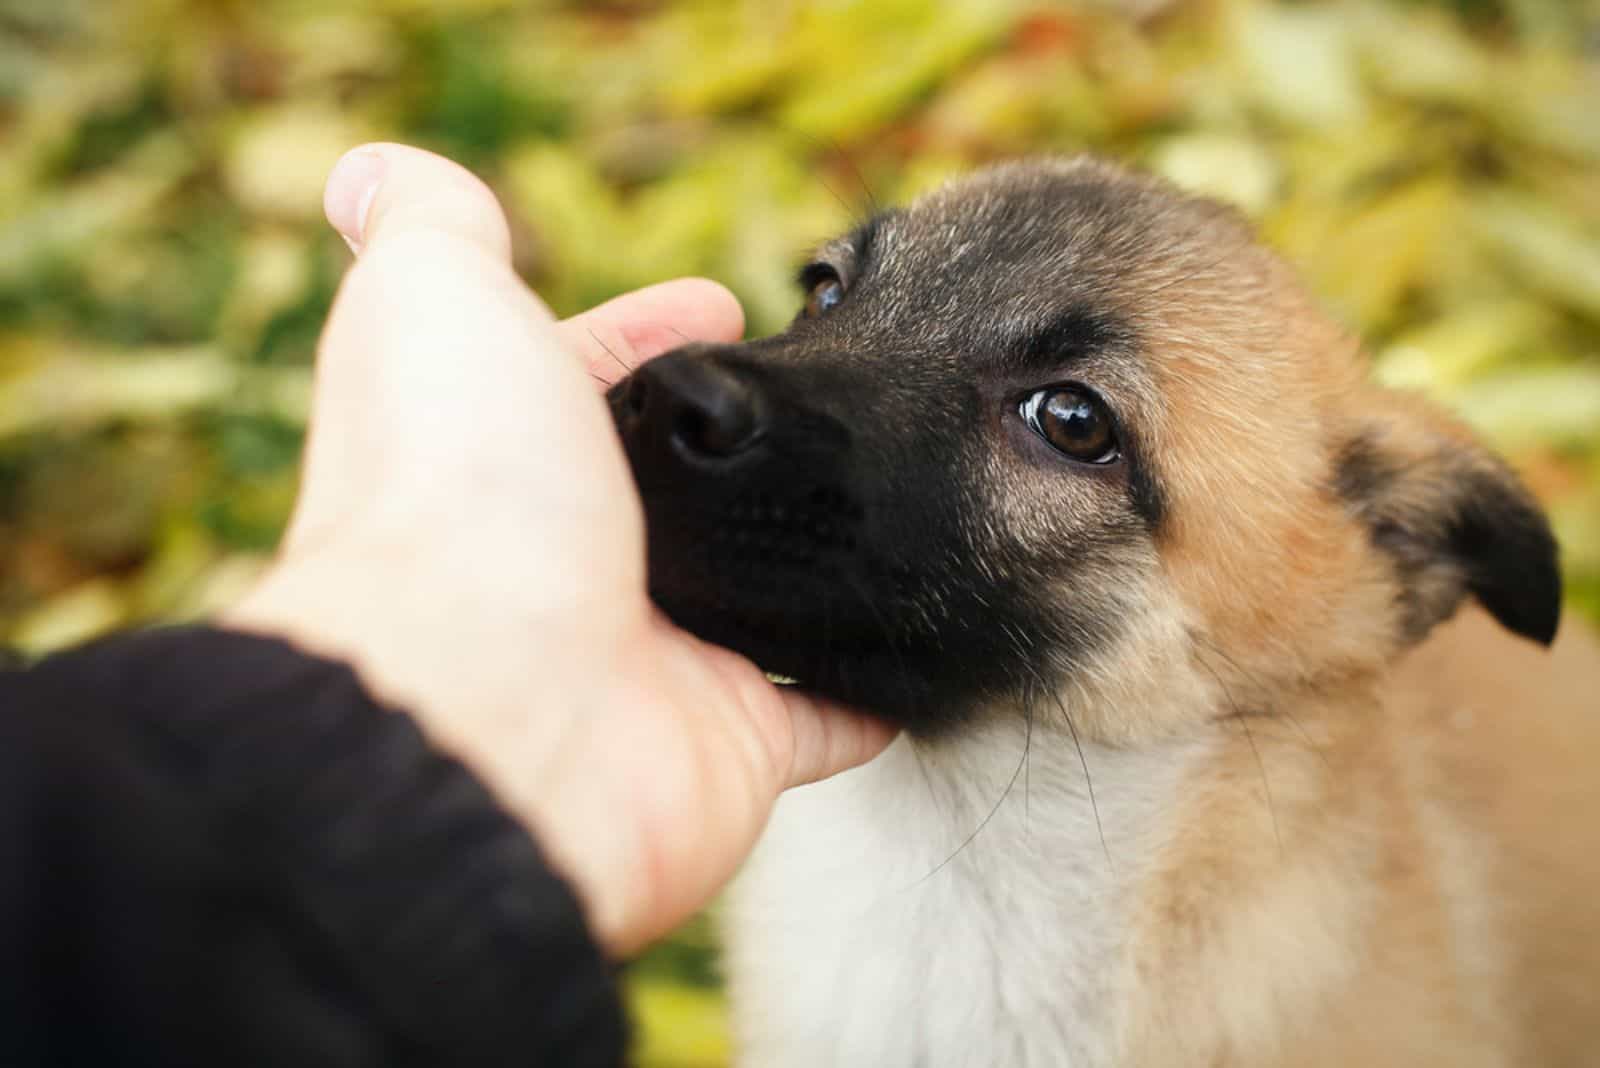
point(1517, 575)
point(1541, 626)
point(1533, 615)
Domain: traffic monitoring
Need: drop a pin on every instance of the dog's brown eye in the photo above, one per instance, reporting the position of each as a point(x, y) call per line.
point(825, 295)
point(1074, 421)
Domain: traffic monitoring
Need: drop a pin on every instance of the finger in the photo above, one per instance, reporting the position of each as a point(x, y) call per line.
point(829, 738)
point(622, 333)
point(383, 189)
point(804, 738)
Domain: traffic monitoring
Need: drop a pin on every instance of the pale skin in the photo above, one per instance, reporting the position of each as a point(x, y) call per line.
point(467, 536)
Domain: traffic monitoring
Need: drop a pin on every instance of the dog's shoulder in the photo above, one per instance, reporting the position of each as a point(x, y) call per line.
point(1505, 733)
point(1422, 848)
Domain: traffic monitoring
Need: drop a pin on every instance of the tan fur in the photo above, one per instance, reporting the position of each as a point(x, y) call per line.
point(1393, 857)
point(1427, 865)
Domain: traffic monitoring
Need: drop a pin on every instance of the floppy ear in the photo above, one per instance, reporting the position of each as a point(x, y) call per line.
point(1454, 520)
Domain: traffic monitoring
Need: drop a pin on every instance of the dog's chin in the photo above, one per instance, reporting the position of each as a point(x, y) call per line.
point(799, 647)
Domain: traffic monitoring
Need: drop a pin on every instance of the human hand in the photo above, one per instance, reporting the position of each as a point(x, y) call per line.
point(469, 538)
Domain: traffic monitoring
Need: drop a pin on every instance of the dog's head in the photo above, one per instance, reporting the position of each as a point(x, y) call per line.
point(1055, 424)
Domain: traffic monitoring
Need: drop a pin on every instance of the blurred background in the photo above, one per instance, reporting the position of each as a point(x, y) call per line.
point(1432, 165)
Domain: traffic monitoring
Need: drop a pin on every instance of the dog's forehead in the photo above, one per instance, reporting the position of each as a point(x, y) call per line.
point(1012, 248)
point(1059, 221)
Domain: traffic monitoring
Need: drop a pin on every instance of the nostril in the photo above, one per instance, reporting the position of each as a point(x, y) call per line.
point(689, 429)
point(703, 413)
point(720, 431)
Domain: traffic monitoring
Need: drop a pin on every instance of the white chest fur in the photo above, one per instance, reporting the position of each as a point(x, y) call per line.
point(949, 905)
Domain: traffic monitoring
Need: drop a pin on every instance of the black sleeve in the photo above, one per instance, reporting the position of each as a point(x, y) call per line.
point(215, 849)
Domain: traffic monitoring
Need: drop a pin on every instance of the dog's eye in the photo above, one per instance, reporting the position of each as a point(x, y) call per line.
point(824, 293)
point(1074, 421)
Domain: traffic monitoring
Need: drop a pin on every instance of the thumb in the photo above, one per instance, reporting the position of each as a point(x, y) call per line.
point(434, 352)
point(830, 738)
point(383, 189)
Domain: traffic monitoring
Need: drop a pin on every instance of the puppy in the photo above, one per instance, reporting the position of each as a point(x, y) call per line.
point(1236, 730)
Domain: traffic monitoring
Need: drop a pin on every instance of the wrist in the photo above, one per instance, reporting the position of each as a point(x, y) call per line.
point(517, 700)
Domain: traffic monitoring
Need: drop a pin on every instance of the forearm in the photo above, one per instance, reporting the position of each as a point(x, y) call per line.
point(216, 847)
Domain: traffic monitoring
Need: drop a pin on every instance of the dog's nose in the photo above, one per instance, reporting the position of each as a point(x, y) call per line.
point(702, 410)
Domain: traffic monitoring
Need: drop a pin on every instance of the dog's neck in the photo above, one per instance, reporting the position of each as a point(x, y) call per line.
point(951, 892)
point(985, 886)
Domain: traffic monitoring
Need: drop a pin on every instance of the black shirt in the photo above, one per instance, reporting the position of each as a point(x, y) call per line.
point(216, 849)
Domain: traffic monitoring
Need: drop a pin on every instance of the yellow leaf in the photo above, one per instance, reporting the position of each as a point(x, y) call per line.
point(280, 157)
point(87, 610)
point(679, 1026)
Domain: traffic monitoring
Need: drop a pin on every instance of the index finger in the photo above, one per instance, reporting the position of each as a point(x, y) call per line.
point(614, 338)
